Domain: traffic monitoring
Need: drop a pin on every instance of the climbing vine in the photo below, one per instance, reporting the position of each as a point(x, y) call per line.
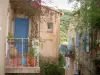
point(33, 10)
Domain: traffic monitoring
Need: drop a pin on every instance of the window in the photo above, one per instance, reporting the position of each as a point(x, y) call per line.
point(50, 27)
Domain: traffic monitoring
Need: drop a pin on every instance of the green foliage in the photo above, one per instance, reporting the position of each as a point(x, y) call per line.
point(64, 23)
point(87, 19)
point(32, 52)
point(61, 71)
point(62, 61)
point(88, 16)
point(48, 67)
point(36, 43)
point(61, 64)
point(10, 36)
point(51, 69)
point(91, 13)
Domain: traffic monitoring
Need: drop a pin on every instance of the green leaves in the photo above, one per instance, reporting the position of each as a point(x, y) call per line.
point(51, 69)
point(64, 23)
point(32, 52)
point(62, 61)
point(89, 16)
point(10, 36)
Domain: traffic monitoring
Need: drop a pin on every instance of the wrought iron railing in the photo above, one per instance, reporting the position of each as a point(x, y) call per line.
point(71, 51)
point(21, 52)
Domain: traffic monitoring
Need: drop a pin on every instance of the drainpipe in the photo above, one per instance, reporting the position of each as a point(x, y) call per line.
point(3, 24)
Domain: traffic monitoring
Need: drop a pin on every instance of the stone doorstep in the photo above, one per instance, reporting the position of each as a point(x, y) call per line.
point(22, 74)
point(23, 70)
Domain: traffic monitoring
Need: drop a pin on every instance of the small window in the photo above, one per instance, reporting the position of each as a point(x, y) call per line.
point(50, 27)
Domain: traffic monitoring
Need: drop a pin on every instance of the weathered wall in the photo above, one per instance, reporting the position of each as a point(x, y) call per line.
point(50, 40)
point(3, 26)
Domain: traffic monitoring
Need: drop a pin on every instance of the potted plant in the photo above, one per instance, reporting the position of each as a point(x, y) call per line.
point(13, 49)
point(11, 39)
point(28, 59)
point(13, 52)
point(32, 57)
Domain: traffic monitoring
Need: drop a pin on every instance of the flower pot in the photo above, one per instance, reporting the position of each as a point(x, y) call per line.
point(13, 52)
point(28, 60)
point(12, 43)
point(33, 62)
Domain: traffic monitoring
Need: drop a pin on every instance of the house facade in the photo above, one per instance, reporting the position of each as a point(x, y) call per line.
point(50, 33)
point(29, 34)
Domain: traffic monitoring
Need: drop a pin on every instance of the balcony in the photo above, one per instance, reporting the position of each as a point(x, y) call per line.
point(21, 57)
point(71, 51)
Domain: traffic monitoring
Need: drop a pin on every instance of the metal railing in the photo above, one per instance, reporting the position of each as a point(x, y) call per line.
point(19, 53)
point(70, 51)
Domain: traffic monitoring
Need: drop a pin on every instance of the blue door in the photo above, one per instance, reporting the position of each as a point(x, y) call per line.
point(21, 29)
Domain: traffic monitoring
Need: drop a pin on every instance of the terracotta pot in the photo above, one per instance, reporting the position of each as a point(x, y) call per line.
point(33, 62)
point(12, 42)
point(28, 60)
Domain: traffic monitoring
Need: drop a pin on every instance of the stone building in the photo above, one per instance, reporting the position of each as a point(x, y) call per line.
point(23, 26)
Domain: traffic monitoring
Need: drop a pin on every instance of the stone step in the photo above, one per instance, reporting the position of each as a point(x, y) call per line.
point(22, 74)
